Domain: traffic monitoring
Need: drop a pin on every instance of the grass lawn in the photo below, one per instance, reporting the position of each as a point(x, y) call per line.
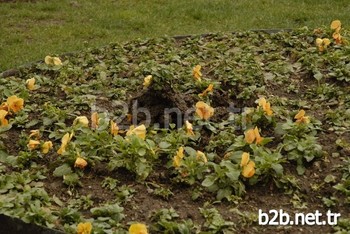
point(31, 30)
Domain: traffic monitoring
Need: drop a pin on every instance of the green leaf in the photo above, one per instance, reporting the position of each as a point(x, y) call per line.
point(32, 123)
point(141, 152)
point(65, 169)
point(278, 169)
point(164, 145)
point(209, 181)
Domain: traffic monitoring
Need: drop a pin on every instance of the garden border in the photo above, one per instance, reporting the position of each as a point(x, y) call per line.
point(16, 71)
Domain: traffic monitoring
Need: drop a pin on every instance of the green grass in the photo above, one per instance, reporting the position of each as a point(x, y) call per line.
point(30, 31)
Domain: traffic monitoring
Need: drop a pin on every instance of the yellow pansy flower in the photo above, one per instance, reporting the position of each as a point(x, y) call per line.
point(335, 24)
point(15, 103)
point(265, 106)
point(53, 61)
point(249, 170)
point(83, 120)
point(84, 228)
point(65, 140)
point(94, 120)
point(45, 148)
point(80, 163)
point(337, 37)
point(253, 135)
point(200, 156)
point(204, 111)
point(114, 128)
point(147, 81)
point(178, 157)
point(3, 120)
point(207, 90)
point(139, 131)
point(196, 72)
point(189, 128)
point(138, 228)
point(33, 144)
point(322, 44)
point(35, 133)
point(245, 159)
point(30, 84)
point(301, 118)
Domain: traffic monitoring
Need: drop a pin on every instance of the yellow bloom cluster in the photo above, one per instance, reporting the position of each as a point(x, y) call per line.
point(53, 61)
point(34, 143)
point(336, 26)
point(13, 105)
point(322, 44)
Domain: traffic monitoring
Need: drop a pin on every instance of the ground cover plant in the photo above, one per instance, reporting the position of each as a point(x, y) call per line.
point(186, 135)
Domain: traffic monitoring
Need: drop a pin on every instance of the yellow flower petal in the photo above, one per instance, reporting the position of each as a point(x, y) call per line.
point(94, 120)
point(139, 131)
point(335, 24)
point(249, 136)
point(15, 104)
point(45, 148)
point(258, 138)
point(33, 144)
point(3, 121)
point(319, 41)
point(56, 61)
point(83, 120)
point(178, 157)
point(35, 133)
point(30, 84)
point(265, 106)
point(48, 60)
point(65, 140)
point(80, 163)
point(189, 128)
point(138, 228)
point(176, 161)
point(204, 111)
point(114, 128)
point(147, 81)
point(249, 170)
point(84, 228)
point(197, 72)
point(245, 159)
point(180, 152)
point(207, 90)
point(200, 156)
point(326, 41)
point(300, 114)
